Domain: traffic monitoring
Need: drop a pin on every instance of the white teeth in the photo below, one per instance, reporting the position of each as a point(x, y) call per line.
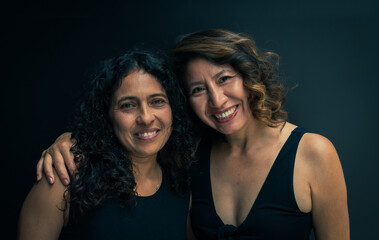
point(147, 134)
point(226, 114)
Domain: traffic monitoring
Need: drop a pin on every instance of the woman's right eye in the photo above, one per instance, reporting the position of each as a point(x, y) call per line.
point(127, 106)
point(197, 90)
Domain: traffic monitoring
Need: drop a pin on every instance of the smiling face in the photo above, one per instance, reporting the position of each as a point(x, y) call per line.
point(217, 96)
point(141, 115)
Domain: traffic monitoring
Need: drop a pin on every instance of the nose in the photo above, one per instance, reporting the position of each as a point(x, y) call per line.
point(146, 116)
point(216, 96)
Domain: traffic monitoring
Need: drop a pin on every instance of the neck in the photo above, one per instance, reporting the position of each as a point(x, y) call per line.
point(253, 135)
point(145, 167)
point(147, 175)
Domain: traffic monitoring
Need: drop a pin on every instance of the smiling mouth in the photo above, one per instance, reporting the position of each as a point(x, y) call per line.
point(147, 134)
point(226, 115)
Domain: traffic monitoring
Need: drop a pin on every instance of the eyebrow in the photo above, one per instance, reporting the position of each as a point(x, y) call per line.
point(134, 98)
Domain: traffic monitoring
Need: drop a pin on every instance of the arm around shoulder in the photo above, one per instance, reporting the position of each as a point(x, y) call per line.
point(43, 212)
point(328, 188)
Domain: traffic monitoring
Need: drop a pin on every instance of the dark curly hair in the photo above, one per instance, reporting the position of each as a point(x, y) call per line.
point(258, 70)
point(105, 170)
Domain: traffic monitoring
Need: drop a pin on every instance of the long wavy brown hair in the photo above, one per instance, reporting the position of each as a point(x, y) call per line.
point(259, 70)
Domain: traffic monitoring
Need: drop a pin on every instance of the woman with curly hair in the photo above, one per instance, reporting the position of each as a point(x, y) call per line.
point(257, 176)
point(133, 156)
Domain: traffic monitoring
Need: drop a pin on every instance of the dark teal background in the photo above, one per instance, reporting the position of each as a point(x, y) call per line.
point(329, 48)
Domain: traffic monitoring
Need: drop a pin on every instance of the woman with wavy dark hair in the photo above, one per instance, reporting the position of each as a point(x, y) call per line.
point(133, 155)
point(257, 175)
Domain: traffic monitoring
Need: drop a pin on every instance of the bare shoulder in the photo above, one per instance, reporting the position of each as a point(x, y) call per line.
point(321, 168)
point(48, 192)
point(317, 150)
point(44, 211)
point(45, 198)
point(323, 171)
point(320, 162)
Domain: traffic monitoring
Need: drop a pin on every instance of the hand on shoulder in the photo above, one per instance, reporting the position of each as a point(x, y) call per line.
point(60, 156)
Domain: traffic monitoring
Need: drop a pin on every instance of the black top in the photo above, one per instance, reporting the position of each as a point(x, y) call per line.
point(160, 216)
point(274, 214)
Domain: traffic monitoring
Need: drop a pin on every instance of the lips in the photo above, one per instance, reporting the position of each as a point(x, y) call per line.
point(147, 134)
point(226, 114)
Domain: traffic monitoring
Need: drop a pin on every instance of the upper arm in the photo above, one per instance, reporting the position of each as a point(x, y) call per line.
point(42, 213)
point(328, 188)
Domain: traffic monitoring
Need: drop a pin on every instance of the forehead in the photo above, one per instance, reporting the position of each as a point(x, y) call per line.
point(139, 83)
point(200, 67)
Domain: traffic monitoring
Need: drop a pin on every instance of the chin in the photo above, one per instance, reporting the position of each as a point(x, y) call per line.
point(227, 132)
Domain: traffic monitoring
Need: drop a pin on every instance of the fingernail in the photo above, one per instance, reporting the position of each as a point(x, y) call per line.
point(38, 178)
point(50, 180)
point(65, 181)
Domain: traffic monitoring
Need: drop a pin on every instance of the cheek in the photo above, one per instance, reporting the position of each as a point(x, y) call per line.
point(238, 86)
point(164, 116)
point(198, 105)
point(121, 124)
point(166, 121)
point(238, 90)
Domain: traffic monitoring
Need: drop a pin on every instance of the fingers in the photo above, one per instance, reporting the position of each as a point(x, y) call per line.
point(64, 143)
point(54, 157)
point(48, 167)
point(40, 165)
point(68, 157)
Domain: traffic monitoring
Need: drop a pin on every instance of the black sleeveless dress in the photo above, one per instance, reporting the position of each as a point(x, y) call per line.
point(274, 214)
point(160, 216)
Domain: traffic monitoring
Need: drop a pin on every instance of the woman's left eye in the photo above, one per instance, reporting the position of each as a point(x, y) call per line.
point(158, 101)
point(224, 79)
